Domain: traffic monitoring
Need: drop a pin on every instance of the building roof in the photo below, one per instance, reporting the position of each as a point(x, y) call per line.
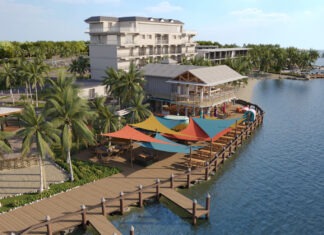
point(132, 18)
point(216, 75)
point(166, 70)
point(210, 76)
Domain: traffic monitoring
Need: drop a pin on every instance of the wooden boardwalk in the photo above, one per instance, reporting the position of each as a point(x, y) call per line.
point(185, 203)
point(119, 192)
point(102, 225)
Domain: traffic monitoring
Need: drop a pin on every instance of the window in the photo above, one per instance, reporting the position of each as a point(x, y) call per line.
point(143, 36)
point(149, 36)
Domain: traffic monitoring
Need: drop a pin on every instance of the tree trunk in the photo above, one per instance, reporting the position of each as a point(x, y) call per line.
point(41, 188)
point(70, 164)
point(31, 94)
point(12, 96)
point(36, 92)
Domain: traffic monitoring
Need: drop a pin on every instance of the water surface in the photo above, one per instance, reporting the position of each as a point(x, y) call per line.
point(273, 185)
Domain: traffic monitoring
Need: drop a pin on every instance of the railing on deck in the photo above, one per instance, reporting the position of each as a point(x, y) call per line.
point(207, 169)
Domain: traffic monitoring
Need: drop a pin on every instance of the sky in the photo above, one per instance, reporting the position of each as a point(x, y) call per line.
point(297, 23)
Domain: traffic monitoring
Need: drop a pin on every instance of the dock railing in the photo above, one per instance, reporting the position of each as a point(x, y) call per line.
point(212, 165)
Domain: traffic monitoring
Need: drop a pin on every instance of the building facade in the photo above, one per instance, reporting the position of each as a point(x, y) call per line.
point(215, 54)
point(116, 42)
point(188, 87)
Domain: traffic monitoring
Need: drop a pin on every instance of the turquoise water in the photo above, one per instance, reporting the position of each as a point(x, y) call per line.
point(273, 185)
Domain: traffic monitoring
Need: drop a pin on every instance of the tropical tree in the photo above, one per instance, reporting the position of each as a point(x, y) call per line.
point(4, 144)
point(70, 114)
point(131, 83)
point(36, 130)
point(81, 65)
point(107, 120)
point(8, 77)
point(139, 110)
point(35, 73)
point(111, 80)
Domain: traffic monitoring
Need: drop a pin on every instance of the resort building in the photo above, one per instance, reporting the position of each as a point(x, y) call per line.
point(215, 54)
point(116, 42)
point(190, 88)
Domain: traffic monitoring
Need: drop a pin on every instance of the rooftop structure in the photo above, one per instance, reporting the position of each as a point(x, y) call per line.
point(189, 86)
point(116, 42)
point(215, 54)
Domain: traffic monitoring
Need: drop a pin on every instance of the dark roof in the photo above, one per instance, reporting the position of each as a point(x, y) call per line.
point(169, 71)
point(131, 18)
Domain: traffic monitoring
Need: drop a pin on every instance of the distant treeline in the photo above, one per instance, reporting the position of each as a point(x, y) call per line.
point(46, 48)
point(272, 57)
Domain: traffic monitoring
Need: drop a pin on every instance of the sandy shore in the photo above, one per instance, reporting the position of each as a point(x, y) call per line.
point(246, 92)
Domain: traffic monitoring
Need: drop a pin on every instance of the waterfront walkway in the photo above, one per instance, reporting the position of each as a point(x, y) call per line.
point(120, 191)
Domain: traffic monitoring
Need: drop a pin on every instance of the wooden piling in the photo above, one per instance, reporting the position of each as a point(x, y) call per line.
point(207, 205)
point(132, 230)
point(207, 171)
point(103, 206)
point(121, 203)
point(84, 216)
point(157, 189)
point(188, 177)
point(194, 211)
point(48, 225)
point(172, 181)
point(140, 196)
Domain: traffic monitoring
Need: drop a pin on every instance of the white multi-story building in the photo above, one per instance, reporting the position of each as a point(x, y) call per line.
point(215, 54)
point(115, 42)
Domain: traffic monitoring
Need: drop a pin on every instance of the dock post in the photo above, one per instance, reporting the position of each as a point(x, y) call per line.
point(188, 177)
point(207, 171)
point(140, 198)
point(172, 181)
point(121, 203)
point(241, 139)
point(230, 149)
point(223, 155)
point(103, 206)
point(215, 162)
point(194, 210)
point(157, 188)
point(132, 230)
point(48, 225)
point(84, 216)
point(207, 205)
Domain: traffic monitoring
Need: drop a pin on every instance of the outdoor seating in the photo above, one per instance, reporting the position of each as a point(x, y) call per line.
point(144, 158)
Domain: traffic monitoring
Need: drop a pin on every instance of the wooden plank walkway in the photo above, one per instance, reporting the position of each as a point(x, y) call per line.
point(183, 202)
point(68, 203)
point(102, 225)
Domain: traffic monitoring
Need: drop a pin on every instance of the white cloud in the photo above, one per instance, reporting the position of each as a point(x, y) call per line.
point(163, 7)
point(87, 1)
point(255, 15)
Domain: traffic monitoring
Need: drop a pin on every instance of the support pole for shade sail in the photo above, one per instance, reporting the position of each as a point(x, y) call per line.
point(131, 152)
point(211, 147)
point(235, 128)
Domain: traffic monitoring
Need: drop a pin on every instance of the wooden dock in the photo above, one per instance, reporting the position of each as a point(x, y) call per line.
point(102, 225)
point(190, 206)
point(94, 201)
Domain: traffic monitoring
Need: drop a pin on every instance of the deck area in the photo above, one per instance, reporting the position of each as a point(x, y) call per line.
point(116, 193)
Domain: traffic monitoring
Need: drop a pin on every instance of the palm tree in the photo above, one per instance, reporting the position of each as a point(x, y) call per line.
point(139, 110)
point(70, 114)
point(35, 73)
point(131, 83)
point(39, 131)
point(80, 65)
point(4, 144)
point(112, 78)
point(8, 77)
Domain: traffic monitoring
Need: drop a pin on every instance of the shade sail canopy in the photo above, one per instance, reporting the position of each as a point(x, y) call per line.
point(215, 128)
point(130, 133)
point(191, 133)
point(172, 147)
point(170, 123)
point(152, 124)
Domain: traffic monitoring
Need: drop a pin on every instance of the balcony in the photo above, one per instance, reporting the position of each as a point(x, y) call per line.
point(112, 30)
point(162, 41)
point(205, 101)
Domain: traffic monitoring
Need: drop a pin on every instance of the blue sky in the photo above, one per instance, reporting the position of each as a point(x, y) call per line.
point(298, 23)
